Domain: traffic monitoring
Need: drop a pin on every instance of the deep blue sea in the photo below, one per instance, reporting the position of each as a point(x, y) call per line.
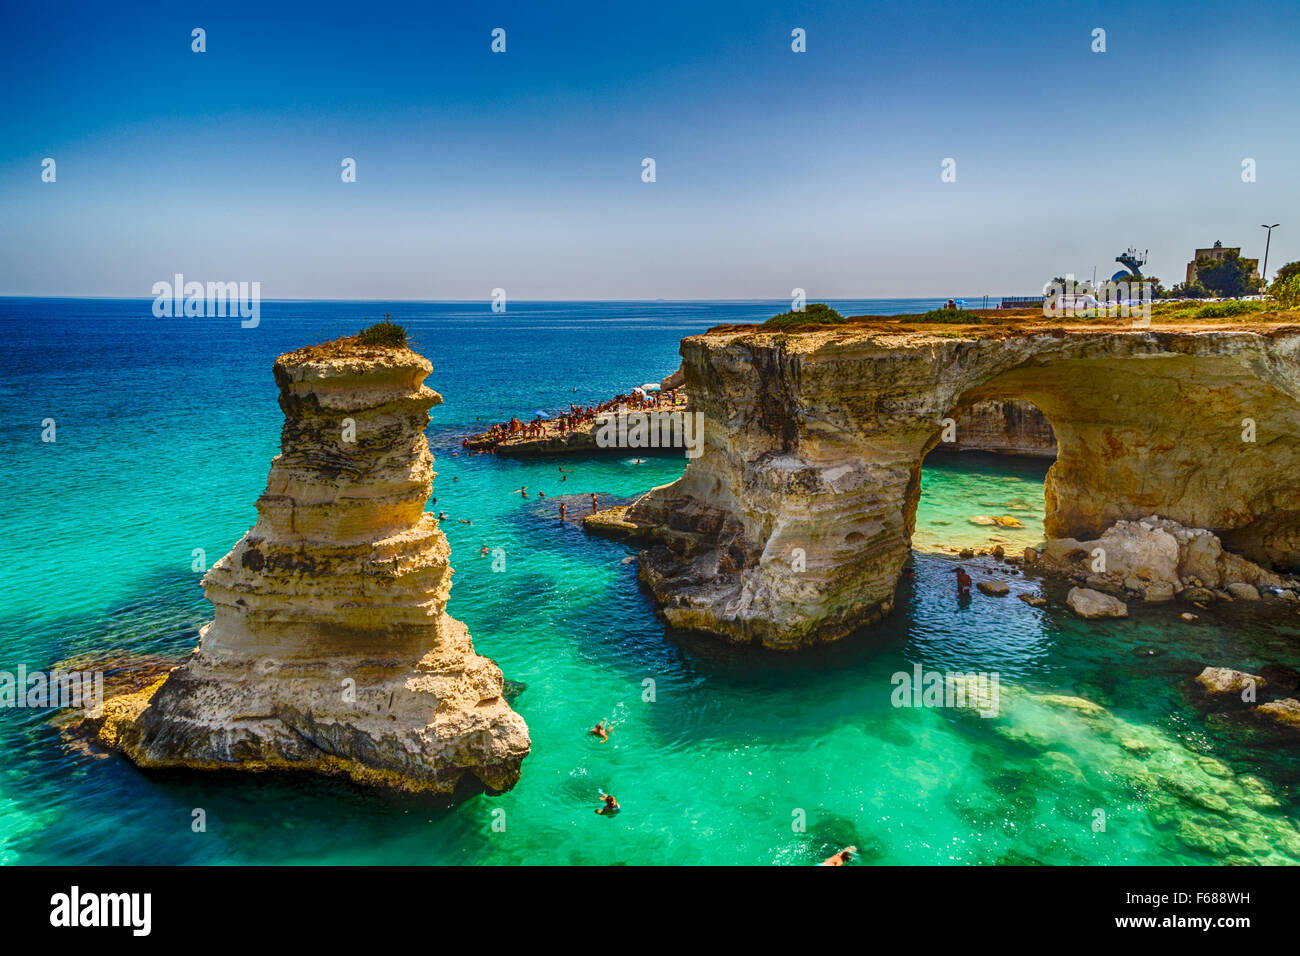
point(165, 429)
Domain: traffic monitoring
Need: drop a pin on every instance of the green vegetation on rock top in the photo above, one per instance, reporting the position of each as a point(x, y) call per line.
point(949, 317)
point(818, 313)
point(383, 333)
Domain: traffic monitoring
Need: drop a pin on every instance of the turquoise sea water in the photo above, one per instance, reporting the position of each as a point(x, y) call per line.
point(165, 433)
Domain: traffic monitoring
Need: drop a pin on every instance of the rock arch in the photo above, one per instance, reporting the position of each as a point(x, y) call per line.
point(814, 442)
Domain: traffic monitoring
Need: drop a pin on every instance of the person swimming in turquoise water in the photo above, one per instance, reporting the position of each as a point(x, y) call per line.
point(600, 731)
point(610, 806)
point(839, 859)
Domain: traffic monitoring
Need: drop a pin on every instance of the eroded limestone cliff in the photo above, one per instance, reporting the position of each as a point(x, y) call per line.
point(331, 648)
point(1006, 428)
point(794, 524)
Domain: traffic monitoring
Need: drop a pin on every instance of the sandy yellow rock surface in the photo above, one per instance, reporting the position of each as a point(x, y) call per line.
point(331, 648)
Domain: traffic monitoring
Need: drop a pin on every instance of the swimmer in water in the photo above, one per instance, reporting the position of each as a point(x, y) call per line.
point(600, 731)
point(464, 521)
point(521, 491)
point(563, 509)
point(442, 516)
point(610, 806)
point(839, 859)
point(483, 551)
point(541, 494)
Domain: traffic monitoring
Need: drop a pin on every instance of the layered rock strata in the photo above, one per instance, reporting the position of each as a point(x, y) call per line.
point(793, 525)
point(1005, 428)
point(331, 648)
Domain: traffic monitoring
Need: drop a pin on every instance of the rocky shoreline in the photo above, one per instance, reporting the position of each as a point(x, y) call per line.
point(997, 427)
point(578, 433)
point(794, 524)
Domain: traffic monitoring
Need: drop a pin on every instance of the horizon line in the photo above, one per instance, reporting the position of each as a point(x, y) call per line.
point(488, 300)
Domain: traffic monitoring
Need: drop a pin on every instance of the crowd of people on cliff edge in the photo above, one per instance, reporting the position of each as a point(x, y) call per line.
point(576, 417)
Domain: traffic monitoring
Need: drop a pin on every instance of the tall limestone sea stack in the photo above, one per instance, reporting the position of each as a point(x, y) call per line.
point(331, 648)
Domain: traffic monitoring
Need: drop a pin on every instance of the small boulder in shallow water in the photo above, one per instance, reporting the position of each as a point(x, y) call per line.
point(1197, 596)
point(1088, 603)
point(1189, 617)
point(1033, 600)
point(994, 588)
point(1285, 712)
point(1224, 681)
point(1241, 591)
point(1157, 592)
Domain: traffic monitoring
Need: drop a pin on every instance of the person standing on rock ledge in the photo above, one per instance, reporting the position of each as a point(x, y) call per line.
point(963, 581)
point(594, 506)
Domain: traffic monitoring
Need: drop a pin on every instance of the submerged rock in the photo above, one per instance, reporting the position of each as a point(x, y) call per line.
point(999, 521)
point(1282, 681)
point(1086, 602)
point(994, 588)
point(330, 648)
point(1195, 797)
point(1080, 705)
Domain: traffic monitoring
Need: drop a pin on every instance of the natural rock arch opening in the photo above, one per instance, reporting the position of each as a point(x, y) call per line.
point(981, 479)
point(814, 437)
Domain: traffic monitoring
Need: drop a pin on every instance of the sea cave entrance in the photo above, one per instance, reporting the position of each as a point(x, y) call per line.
point(981, 485)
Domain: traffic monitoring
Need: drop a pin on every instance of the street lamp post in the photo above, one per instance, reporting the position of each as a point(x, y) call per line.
point(1263, 276)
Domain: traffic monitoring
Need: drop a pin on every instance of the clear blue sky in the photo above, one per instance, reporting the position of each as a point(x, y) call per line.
point(523, 170)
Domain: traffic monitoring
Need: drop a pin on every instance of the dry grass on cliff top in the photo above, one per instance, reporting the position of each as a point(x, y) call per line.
point(1004, 323)
point(349, 346)
point(381, 340)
